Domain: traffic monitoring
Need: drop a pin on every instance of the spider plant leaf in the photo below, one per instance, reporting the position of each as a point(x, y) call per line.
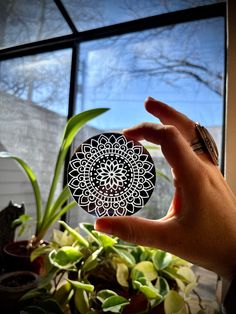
point(163, 175)
point(72, 128)
point(32, 177)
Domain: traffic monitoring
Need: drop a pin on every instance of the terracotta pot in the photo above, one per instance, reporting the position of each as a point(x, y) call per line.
point(16, 256)
point(13, 286)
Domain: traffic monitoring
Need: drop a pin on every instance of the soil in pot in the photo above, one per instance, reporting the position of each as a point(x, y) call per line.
point(16, 256)
point(13, 286)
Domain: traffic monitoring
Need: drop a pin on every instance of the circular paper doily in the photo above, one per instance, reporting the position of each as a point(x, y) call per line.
point(111, 175)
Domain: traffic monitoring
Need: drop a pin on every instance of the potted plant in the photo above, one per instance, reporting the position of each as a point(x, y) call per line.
point(13, 286)
point(98, 273)
point(55, 207)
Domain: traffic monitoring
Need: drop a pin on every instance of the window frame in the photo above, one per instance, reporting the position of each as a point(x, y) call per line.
point(74, 40)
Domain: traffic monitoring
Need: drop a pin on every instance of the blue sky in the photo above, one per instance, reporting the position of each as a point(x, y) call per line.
point(202, 42)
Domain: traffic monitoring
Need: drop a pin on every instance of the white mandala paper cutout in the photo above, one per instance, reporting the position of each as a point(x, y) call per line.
point(111, 175)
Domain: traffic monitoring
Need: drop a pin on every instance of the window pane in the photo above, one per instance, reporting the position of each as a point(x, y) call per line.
point(25, 21)
point(97, 13)
point(182, 65)
point(33, 112)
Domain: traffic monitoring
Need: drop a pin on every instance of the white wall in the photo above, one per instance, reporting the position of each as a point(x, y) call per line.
point(230, 143)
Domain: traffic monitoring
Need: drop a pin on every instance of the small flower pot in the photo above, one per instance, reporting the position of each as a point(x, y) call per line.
point(13, 286)
point(16, 256)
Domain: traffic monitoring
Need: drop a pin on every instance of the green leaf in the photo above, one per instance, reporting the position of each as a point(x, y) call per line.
point(32, 177)
point(22, 219)
point(126, 256)
point(102, 295)
point(173, 274)
point(63, 294)
point(136, 274)
point(81, 240)
point(145, 255)
point(91, 262)
point(114, 304)
point(147, 268)
point(163, 175)
point(177, 261)
point(80, 285)
point(46, 280)
point(162, 286)
point(122, 274)
point(189, 288)
point(187, 273)
point(81, 301)
point(88, 228)
point(62, 198)
point(161, 259)
point(33, 293)
point(39, 251)
point(154, 147)
point(54, 218)
point(148, 290)
point(71, 129)
point(104, 239)
point(65, 257)
point(174, 303)
point(62, 238)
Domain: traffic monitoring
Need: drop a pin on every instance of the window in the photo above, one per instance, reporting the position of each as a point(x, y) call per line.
point(33, 103)
point(60, 57)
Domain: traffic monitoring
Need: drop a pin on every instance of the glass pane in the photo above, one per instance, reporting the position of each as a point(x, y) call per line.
point(33, 112)
point(25, 21)
point(97, 13)
point(182, 65)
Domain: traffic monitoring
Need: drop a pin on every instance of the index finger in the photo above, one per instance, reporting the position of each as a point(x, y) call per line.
point(168, 115)
point(175, 148)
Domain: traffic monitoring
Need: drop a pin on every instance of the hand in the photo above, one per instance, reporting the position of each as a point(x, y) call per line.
point(200, 225)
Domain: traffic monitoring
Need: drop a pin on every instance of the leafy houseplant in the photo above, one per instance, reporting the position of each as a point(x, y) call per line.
point(98, 273)
point(55, 207)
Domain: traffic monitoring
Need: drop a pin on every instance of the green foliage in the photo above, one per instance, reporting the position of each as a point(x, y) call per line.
point(101, 273)
point(55, 207)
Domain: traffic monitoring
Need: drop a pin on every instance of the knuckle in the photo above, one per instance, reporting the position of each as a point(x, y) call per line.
point(132, 233)
point(145, 125)
point(171, 130)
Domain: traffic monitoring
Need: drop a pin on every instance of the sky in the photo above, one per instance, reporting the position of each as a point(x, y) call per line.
point(201, 42)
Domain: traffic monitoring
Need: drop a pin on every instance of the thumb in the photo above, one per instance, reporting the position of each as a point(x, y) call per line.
point(146, 232)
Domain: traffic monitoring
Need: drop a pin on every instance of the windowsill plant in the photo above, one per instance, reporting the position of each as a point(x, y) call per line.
point(55, 206)
point(98, 273)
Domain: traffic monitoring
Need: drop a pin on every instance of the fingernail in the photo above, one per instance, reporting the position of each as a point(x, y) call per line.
point(103, 225)
point(151, 98)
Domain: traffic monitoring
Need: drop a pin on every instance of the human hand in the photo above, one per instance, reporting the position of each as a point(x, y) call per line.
point(200, 225)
